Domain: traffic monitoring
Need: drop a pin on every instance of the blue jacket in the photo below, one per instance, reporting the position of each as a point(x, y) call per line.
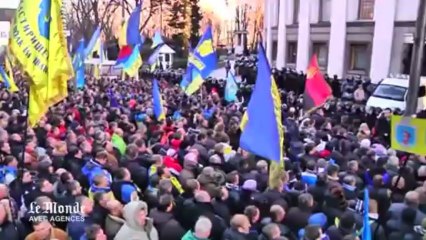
point(309, 178)
point(76, 229)
point(93, 168)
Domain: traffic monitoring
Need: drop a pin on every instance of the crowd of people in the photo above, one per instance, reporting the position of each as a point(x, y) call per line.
point(100, 166)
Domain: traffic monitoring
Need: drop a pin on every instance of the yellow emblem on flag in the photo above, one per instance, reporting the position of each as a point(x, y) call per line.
point(206, 48)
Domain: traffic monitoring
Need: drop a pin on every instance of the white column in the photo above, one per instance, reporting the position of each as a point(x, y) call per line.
point(384, 16)
point(282, 32)
point(303, 39)
point(265, 20)
point(269, 32)
point(336, 49)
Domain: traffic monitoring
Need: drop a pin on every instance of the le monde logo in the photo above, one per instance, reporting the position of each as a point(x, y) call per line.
point(54, 212)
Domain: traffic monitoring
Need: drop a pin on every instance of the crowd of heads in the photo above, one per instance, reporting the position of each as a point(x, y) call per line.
point(99, 165)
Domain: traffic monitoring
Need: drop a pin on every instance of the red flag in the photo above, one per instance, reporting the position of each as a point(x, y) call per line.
point(124, 53)
point(317, 90)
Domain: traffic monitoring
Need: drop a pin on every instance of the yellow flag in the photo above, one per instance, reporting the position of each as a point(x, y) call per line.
point(244, 121)
point(38, 43)
point(13, 87)
point(96, 71)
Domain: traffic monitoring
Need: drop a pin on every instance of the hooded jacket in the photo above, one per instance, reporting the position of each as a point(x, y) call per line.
point(131, 230)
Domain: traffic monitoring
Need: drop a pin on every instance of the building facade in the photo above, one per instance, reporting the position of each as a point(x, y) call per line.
point(372, 38)
point(7, 12)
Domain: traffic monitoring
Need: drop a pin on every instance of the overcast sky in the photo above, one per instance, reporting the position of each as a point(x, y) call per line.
point(9, 3)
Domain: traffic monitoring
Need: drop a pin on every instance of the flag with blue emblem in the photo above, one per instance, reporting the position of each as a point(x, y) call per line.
point(157, 101)
point(262, 133)
point(231, 88)
point(78, 64)
point(38, 43)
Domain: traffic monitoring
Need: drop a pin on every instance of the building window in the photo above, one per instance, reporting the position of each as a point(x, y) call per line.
point(296, 9)
point(7, 14)
point(274, 50)
point(366, 9)
point(359, 57)
point(321, 50)
point(291, 52)
point(325, 10)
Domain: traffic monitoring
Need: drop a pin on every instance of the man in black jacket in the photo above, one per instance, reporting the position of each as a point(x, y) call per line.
point(164, 221)
point(202, 206)
point(9, 230)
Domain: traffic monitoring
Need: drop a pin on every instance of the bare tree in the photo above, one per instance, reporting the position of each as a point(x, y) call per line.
point(218, 31)
point(87, 15)
point(150, 7)
point(257, 26)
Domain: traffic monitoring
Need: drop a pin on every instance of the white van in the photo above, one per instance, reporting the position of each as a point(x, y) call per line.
point(392, 93)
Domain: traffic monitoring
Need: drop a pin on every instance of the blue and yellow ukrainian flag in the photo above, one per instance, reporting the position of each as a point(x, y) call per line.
point(157, 40)
point(7, 78)
point(157, 101)
point(196, 82)
point(202, 60)
point(133, 63)
point(263, 131)
point(9, 71)
point(204, 56)
point(130, 35)
point(186, 78)
point(153, 58)
point(78, 64)
point(38, 43)
point(94, 44)
point(231, 88)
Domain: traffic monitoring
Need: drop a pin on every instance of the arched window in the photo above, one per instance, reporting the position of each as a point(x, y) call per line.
point(366, 9)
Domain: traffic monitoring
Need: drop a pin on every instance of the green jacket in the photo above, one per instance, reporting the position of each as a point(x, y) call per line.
point(190, 236)
point(119, 143)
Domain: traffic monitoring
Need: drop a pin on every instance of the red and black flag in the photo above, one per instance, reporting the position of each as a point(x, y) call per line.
point(317, 90)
